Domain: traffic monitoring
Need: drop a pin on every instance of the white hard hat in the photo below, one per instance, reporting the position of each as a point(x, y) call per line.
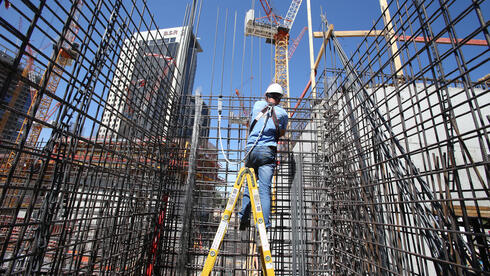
point(274, 88)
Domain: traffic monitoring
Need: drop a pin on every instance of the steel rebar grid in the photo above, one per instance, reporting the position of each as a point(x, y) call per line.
point(369, 179)
point(407, 153)
point(84, 200)
point(214, 182)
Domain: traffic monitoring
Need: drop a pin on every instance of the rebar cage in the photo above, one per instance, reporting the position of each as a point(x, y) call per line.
point(88, 191)
point(384, 172)
point(406, 144)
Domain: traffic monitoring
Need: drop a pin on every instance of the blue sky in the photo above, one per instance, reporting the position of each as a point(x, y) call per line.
point(344, 15)
point(257, 68)
point(257, 72)
point(340, 13)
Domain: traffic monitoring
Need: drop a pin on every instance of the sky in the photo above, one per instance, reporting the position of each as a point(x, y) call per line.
point(257, 69)
point(220, 69)
point(257, 76)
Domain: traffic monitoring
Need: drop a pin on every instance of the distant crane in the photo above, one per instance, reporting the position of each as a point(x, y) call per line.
point(237, 92)
point(64, 57)
point(295, 43)
point(276, 30)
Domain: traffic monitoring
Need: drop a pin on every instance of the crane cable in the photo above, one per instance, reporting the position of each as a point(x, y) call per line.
point(214, 52)
point(220, 99)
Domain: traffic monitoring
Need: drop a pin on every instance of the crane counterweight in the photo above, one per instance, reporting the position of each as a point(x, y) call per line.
point(275, 31)
point(257, 28)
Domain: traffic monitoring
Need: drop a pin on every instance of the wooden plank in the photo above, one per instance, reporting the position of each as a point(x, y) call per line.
point(324, 44)
point(390, 36)
point(485, 78)
point(472, 211)
point(443, 40)
point(419, 39)
point(350, 33)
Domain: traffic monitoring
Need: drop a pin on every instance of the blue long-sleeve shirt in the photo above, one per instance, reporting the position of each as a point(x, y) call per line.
point(268, 137)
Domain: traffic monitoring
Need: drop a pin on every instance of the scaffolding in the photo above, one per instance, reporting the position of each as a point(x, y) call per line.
point(385, 171)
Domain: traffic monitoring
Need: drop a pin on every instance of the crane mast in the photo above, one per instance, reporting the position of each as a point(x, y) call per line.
point(275, 30)
point(64, 57)
point(281, 72)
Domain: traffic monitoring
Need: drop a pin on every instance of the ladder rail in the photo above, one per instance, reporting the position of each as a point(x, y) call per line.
point(264, 247)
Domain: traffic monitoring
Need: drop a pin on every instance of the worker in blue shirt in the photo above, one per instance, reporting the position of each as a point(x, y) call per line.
point(262, 149)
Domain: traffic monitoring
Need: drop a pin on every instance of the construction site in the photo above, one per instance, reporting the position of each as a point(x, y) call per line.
point(117, 157)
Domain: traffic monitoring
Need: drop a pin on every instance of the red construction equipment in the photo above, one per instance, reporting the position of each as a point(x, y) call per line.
point(295, 43)
point(275, 30)
point(64, 57)
point(156, 237)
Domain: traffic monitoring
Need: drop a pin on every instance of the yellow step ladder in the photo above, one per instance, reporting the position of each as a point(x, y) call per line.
point(263, 243)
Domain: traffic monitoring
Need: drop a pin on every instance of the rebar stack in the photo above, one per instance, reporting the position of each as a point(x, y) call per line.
point(384, 172)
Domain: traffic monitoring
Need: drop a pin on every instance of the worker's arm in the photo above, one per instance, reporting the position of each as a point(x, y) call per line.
point(283, 124)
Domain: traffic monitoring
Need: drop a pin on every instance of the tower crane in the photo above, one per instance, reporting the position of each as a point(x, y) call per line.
point(64, 57)
point(275, 29)
point(295, 43)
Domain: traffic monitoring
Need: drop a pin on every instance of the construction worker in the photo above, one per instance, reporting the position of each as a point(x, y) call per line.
point(262, 144)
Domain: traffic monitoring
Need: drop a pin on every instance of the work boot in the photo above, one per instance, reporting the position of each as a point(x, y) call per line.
point(244, 223)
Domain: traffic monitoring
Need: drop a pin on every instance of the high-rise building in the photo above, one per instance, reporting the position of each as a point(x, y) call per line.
point(154, 70)
point(18, 97)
